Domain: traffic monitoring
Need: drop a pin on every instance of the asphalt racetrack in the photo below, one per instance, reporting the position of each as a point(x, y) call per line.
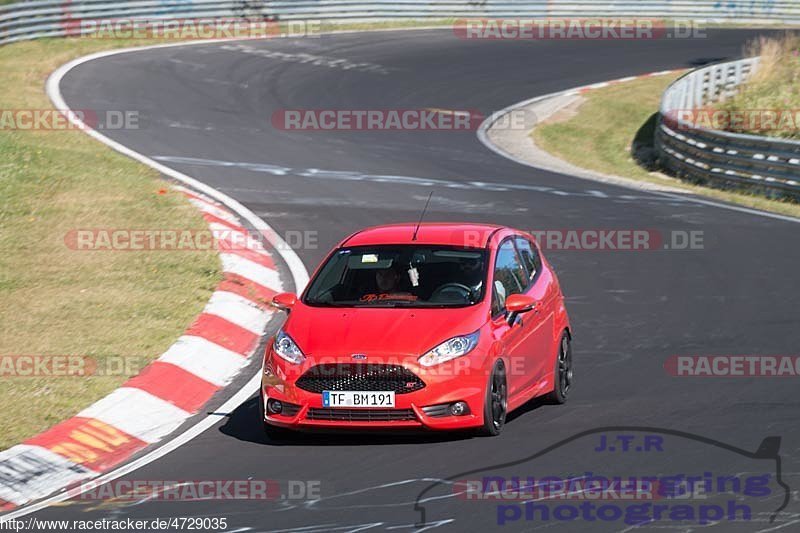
point(206, 111)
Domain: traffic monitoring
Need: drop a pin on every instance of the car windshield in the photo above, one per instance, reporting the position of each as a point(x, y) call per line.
point(400, 276)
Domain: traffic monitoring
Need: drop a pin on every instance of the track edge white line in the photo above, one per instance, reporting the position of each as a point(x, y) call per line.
point(294, 263)
point(483, 137)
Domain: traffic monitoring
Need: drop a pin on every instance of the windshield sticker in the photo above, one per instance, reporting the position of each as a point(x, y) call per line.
point(389, 296)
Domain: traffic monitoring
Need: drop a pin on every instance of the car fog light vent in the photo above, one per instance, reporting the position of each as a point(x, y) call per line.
point(446, 409)
point(274, 407)
point(459, 409)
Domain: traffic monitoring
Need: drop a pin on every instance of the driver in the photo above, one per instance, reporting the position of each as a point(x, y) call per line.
point(472, 274)
point(387, 280)
point(464, 285)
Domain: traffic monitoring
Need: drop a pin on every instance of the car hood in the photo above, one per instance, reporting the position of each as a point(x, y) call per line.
point(391, 332)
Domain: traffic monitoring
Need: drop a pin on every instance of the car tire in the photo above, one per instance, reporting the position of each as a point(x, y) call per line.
point(563, 374)
point(495, 405)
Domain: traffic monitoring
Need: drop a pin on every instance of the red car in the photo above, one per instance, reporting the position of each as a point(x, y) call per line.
point(438, 326)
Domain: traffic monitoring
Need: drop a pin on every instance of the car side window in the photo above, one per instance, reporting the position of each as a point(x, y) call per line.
point(509, 276)
point(530, 258)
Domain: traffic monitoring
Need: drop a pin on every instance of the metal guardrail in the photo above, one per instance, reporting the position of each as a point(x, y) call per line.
point(55, 18)
point(730, 160)
point(698, 154)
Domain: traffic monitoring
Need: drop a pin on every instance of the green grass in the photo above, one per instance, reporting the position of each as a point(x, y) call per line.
point(60, 301)
point(601, 134)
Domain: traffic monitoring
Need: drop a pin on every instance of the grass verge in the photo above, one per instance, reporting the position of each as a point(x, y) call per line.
point(58, 301)
point(601, 134)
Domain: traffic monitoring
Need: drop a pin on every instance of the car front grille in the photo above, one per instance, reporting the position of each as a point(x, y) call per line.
point(360, 377)
point(290, 409)
point(360, 415)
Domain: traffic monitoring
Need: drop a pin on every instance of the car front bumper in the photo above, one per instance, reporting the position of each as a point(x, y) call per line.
point(426, 408)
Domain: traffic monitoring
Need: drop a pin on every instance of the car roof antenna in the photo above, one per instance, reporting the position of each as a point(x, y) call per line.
point(414, 236)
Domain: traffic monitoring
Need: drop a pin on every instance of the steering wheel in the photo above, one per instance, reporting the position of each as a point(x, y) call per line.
point(463, 292)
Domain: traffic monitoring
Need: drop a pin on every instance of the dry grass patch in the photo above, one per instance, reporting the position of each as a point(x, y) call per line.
point(774, 88)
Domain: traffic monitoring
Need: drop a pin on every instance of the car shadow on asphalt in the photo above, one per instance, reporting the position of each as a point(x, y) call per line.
point(527, 407)
point(243, 424)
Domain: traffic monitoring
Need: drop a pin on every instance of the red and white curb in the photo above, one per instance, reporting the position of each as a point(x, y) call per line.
point(575, 91)
point(153, 404)
point(486, 125)
point(592, 87)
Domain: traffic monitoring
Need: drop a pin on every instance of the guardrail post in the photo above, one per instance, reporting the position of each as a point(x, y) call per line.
point(720, 158)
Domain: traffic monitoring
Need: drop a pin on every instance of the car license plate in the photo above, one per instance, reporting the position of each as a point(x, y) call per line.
point(357, 399)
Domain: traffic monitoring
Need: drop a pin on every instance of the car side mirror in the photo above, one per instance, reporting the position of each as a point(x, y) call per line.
point(284, 301)
point(517, 304)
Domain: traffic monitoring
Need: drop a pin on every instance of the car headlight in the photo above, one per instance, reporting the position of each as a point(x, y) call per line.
point(285, 347)
point(450, 349)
